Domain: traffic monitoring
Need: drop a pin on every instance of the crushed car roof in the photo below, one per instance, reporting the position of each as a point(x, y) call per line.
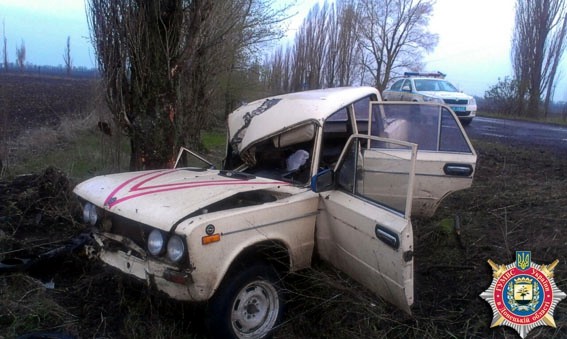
point(266, 117)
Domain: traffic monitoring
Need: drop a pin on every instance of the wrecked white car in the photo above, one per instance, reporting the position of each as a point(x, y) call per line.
point(336, 167)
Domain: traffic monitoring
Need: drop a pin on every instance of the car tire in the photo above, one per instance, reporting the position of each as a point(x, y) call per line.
point(248, 304)
point(466, 122)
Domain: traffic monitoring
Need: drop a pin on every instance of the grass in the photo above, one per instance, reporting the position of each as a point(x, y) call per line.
point(80, 150)
point(26, 305)
point(80, 157)
point(76, 147)
point(214, 140)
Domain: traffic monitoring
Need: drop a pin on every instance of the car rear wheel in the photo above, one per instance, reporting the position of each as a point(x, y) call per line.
point(247, 305)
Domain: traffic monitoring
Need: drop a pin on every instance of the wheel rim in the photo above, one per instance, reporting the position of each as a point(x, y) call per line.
point(255, 310)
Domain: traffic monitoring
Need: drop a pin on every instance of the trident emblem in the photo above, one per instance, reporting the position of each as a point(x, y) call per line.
point(523, 259)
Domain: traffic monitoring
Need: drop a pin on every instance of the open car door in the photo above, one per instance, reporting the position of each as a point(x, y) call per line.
point(445, 161)
point(365, 237)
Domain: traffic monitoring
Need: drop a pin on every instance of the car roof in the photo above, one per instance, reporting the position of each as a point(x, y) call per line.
point(266, 117)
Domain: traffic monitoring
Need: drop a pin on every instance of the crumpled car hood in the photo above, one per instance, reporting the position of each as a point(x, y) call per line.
point(446, 95)
point(160, 198)
point(263, 118)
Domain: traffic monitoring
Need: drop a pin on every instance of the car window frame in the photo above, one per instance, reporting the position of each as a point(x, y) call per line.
point(397, 86)
point(407, 82)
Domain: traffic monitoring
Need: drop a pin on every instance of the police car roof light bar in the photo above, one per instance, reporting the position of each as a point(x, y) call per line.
point(431, 75)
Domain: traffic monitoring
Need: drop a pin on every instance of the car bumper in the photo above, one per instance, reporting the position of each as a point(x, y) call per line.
point(173, 281)
point(464, 111)
point(466, 114)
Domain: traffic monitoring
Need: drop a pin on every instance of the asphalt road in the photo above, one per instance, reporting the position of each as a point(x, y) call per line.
point(519, 133)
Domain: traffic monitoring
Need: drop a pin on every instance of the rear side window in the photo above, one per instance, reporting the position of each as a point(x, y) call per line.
point(451, 139)
point(431, 127)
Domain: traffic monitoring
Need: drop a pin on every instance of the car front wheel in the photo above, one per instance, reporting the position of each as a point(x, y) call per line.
point(247, 305)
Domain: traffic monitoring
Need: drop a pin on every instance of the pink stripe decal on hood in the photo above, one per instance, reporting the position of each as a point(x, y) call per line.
point(187, 186)
point(119, 187)
point(142, 190)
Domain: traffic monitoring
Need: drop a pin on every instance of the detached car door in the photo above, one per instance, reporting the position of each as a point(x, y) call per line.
point(365, 237)
point(445, 162)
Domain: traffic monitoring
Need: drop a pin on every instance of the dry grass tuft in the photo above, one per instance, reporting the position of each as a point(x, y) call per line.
point(25, 304)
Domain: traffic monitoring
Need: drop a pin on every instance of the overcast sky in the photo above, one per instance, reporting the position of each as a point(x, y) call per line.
point(473, 49)
point(44, 25)
point(474, 42)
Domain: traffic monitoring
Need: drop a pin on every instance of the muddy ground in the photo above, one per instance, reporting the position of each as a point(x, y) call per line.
point(28, 101)
point(518, 202)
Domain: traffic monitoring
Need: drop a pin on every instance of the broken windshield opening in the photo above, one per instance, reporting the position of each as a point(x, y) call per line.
point(189, 159)
point(286, 156)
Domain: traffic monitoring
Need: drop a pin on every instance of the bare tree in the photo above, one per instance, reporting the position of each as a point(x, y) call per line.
point(394, 37)
point(356, 41)
point(310, 47)
point(348, 51)
point(67, 57)
point(5, 48)
point(345, 46)
point(163, 61)
point(277, 71)
point(238, 29)
point(327, 44)
point(224, 70)
point(537, 47)
point(139, 53)
point(21, 55)
point(554, 56)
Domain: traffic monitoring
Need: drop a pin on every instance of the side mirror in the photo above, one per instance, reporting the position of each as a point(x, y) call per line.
point(323, 181)
point(406, 88)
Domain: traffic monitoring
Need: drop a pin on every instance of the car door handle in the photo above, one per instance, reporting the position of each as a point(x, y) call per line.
point(461, 170)
point(387, 236)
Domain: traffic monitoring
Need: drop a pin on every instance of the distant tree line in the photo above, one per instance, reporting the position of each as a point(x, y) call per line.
point(20, 64)
point(61, 70)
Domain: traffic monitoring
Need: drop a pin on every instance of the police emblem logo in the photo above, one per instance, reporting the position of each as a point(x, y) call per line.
point(523, 294)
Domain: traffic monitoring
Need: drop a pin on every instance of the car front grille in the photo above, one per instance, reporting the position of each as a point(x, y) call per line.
point(135, 231)
point(456, 101)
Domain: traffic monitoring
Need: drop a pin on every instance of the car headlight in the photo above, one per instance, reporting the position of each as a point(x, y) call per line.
point(89, 214)
point(472, 101)
point(156, 242)
point(175, 248)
